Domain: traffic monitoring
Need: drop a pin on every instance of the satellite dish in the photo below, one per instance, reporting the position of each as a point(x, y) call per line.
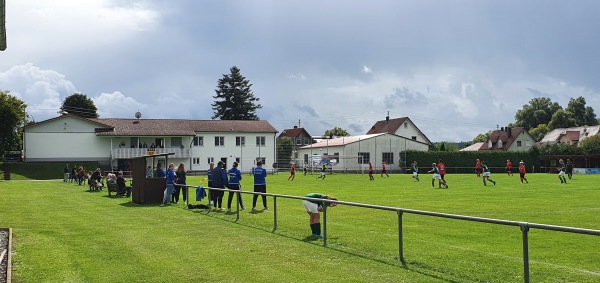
point(138, 115)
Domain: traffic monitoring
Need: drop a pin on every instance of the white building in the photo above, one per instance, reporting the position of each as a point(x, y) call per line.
point(354, 153)
point(113, 141)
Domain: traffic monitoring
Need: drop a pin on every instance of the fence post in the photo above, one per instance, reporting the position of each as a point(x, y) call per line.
point(400, 237)
point(237, 201)
point(274, 213)
point(525, 230)
point(325, 224)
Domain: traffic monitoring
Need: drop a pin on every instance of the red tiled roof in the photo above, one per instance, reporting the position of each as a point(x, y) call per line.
point(502, 135)
point(572, 135)
point(173, 127)
point(293, 133)
point(384, 126)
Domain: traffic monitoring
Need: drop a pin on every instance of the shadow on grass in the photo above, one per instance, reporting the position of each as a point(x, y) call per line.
point(412, 266)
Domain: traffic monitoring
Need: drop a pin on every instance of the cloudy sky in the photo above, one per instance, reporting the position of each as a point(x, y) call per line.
point(456, 68)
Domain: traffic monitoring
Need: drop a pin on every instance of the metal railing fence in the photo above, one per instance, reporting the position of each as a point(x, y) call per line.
point(523, 226)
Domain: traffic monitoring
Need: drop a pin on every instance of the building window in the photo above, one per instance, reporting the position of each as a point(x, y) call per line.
point(306, 159)
point(387, 157)
point(196, 160)
point(527, 143)
point(299, 141)
point(261, 159)
point(198, 141)
point(219, 141)
point(414, 138)
point(306, 141)
point(240, 141)
point(237, 159)
point(405, 125)
point(260, 141)
point(211, 160)
point(364, 157)
point(518, 143)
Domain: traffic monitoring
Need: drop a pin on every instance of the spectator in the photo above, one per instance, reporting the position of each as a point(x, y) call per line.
point(74, 173)
point(180, 175)
point(149, 171)
point(260, 184)
point(145, 145)
point(121, 184)
point(235, 176)
point(170, 184)
point(66, 173)
point(160, 173)
point(219, 181)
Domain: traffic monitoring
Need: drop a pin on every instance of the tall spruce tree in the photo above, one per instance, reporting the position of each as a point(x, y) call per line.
point(234, 100)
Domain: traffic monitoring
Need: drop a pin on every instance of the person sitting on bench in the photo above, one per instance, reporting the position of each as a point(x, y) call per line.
point(123, 188)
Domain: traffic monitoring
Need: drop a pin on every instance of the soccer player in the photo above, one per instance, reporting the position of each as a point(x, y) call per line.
point(478, 168)
point(509, 167)
point(486, 174)
point(415, 170)
point(314, 208)
point(371, 172)
point(436, 176)
point(292, 173)
point(383, 171)
point(562, 169)
point(442, 168)
point(522, 172)
point(305, 168)
point(569, 168)
point(323, 170)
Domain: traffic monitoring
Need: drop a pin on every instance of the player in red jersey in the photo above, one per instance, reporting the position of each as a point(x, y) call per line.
point(292, 173)
point(371, 172)
point(442, 168)
point(509, 167)
point(522, 172)
point(478, 168)
point(383, 171)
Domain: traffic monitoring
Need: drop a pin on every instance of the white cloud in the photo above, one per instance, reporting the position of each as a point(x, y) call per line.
point(117, 105)
point(366, 70)
point(300, 77)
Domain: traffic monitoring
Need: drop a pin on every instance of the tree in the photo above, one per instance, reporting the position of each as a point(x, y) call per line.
point(562, 119)
point(539, 132)
point(285, 146)
point(538, 111)
point(13, 117)
point(584, 116)
point(482, 137)
point(234, 100)
point(79, 104)
point(591, 145)
point(337, 132)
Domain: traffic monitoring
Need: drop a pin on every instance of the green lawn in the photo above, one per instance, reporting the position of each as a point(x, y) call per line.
point(63, 233)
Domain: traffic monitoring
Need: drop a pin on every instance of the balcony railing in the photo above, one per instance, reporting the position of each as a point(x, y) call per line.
point(123, 153)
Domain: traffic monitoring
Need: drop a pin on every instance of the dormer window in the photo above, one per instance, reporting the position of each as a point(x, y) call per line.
point(499, 143)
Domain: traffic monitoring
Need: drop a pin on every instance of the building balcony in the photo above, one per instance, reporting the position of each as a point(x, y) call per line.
point(125, 153)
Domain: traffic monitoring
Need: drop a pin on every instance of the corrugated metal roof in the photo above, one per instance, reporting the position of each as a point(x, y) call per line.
point(584, 132)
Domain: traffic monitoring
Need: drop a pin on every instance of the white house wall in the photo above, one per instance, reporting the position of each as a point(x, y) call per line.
point(67, 139)
point(247, 153)
point(410, 131)
point(375, 146)
point(526, 142)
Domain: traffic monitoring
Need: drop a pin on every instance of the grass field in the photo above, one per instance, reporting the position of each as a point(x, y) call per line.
point(63, 233)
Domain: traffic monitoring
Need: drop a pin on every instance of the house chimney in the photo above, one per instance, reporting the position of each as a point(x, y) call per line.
point(295, 127)
point(387, 118)
point(502, 129)
point(509, 130)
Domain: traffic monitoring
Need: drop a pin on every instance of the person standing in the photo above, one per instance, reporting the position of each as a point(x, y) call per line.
point(80, 174)
point(219, 181)
point(160, 173)
point(292, 172)
point(314, 208)
point(442, 168)
point(180, 174)
point(561, 174)
point(522, 172)
point(486, 174)
point(235, 176)
point(305, 169)
point(436, 176)
point(73, 174)
point(66, 172)
point(569, 168)
point(323, 171)
point(209, 177)
point(383, 170)
point(260, 184)
point(415, 169)
point(478, 170)
point(170, 175)
point(509, 167)
point(371, 172)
